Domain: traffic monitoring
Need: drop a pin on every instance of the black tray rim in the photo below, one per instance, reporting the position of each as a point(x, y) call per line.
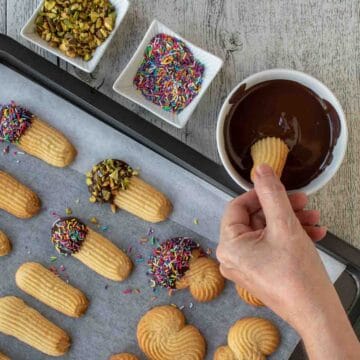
point(58, 81)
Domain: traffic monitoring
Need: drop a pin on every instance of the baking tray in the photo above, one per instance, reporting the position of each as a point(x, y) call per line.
point(47, 75)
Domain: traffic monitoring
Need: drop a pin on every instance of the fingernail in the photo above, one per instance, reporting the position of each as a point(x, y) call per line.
point(264, 170)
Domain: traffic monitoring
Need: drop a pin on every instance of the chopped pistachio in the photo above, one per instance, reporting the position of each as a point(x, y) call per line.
point(39, 20)
point(104, 33)
point(87, 57)
point(50, 15)
point(107, 178)
point(76, 27)
point(109, 23)
point(94, 220)
point(92, 199)
point(49, 4)
point(98, 23)
point(93, 16)
point(70, 53)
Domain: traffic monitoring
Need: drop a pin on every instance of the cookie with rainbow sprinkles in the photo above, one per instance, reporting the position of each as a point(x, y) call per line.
point(34, 136)
point(181, 263)
point(71, 237)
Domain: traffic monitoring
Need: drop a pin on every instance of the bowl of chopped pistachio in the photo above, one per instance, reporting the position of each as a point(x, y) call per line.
point(77, 31)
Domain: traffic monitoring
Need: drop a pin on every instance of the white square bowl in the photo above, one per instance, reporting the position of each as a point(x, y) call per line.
point(125, 87)
point(29, 33)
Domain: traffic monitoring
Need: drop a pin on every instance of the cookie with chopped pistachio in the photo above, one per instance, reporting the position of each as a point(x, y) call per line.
point(76, 27)
point(115, 182)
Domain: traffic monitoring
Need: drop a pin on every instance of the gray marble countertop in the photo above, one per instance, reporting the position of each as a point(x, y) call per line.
point(320, 37)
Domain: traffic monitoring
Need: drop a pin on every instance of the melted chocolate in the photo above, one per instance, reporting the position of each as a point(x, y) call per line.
point(309, 125)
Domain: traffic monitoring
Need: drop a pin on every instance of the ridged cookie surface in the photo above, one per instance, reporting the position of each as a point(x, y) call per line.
point(123, 356)
point(47, 143)
point(144, 201)
point(45, 286)
point(3, 357)
point(29, 326)
point(163, 335)
point(250, 338)
point(5, 245)
point(16, 198)
point(271, 151)
point(104, 257)
point(224, 353)
point(247, 297)
point(203, 279)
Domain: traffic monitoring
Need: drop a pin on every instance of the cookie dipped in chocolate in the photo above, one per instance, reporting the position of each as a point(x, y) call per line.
point(309, 125)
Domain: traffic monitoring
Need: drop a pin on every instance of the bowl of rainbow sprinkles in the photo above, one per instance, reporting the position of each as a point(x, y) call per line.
point(167, 75)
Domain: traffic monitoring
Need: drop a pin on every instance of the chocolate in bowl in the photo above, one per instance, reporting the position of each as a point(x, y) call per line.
point(308, 124)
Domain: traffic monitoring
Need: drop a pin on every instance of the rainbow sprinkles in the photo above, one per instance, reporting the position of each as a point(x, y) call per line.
point(169, 75)
point(170, 260)
point(67, 235)
point(14, 121)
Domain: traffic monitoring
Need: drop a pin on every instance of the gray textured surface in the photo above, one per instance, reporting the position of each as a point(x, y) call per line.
point(320, 37)
point(110, 323)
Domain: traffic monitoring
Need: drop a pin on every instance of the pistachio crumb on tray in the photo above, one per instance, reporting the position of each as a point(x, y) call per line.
point(76, 27)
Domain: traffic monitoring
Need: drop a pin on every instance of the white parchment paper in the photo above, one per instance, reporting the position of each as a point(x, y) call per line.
point(110, 323)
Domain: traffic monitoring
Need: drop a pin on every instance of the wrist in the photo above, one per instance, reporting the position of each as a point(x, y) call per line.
point(312, 296)
point(327, 332)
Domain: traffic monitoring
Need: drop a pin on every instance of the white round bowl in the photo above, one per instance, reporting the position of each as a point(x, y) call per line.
point(322, 91)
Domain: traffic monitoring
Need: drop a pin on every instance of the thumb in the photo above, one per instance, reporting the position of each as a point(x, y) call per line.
point(272, 196)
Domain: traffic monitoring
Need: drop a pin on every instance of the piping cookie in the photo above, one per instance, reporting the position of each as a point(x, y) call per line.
point(16, 198)
point(180, 263)
point(39, 282)
point(27, 325)
point(34, 136)
point(247, 297)
point(250, 338)
point(271, 151)
point(71, 237)
point(5, 245)
point(123, 356)
point(115, 182)
point(3, 357)
point(163, 335)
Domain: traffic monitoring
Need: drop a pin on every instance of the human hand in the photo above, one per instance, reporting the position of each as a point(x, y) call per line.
point(266, 247)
